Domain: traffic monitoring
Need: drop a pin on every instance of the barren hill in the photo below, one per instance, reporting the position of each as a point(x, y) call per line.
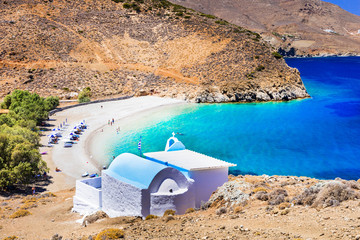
point(301, 27)
point(58, 47)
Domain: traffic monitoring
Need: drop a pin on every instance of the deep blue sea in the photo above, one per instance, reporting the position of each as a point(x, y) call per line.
point(317, 137)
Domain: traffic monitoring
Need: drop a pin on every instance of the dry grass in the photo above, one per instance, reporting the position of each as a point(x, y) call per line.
point(111, 233)
point(94, 217)
point(259, 189)
point(284, 205)
point(325, 195)
point(169, 212)
point(150, 216)
point(238, 209)
point(189, 210)
point(20, 213)
point(10, 238)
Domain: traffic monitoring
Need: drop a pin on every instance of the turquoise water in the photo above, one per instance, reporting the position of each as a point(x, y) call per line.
point(317, 137)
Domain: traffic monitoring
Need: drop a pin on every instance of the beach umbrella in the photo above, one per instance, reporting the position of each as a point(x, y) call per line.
point(71, 134)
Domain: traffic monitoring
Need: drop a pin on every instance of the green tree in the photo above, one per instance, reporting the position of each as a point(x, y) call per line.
point(84, 95)
point(20, 159)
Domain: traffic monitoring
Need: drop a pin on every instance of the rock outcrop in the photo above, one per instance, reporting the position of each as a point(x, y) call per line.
point(146, 47)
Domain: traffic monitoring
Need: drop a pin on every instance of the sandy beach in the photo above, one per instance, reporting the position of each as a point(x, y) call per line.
point(76, 160)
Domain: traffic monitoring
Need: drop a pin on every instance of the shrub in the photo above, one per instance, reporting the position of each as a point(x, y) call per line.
point(189, 210)
point(260, 68)
point(150, 216)
point(259, 189)
point(111, 233)
point(284, 205)
point(277, 55)
point(126, 5)
point(11, 238)
point(263, 196)
point(238, 209)
point(285, 212)
point(221, 211)
point(277, 196)
point(169, 212)
point(20, 213)
point(208, 15)
point(84, 95)
point(221, 22)
point(94, 217)
point(28, 205)
point(205, 205)
point(326, 194)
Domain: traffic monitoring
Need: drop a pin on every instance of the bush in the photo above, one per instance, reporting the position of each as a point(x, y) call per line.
point(285, 212)
point(277, 55)
point(189, 210)
point(238, 209)
point(260, 68)
point(208, 15)
point(261, 195)
point(284, 205)
point(277, 196)
point(11, 238)
point(111, 233)
point(259, 189)
point(169, 212)
point(84, 95)
point(126, 5)
point(221, 22)
point(20, 213)
point(221, 211)
point(150, 216)
point(326, 195)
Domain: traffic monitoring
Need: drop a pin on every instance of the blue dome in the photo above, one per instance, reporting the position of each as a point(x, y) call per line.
point(134, 170)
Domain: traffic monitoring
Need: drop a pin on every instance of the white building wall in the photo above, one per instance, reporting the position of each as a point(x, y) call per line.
point(206, 182)
point(120, 198)
point(88, 196)
point(179, 202)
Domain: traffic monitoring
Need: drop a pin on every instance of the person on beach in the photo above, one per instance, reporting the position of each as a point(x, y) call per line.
point(108, 122)
point(33, 191)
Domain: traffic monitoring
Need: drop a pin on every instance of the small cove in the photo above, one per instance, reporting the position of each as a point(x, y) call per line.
point(316, 137)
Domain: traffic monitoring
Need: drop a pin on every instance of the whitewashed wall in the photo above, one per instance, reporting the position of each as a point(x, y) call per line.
point(206, 182)
point(181, 198)
point(120, 198)
point(179, 201)
point(88, 196)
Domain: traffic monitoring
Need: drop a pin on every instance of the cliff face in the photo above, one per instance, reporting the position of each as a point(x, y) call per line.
point(58, 47)
point(297, 27)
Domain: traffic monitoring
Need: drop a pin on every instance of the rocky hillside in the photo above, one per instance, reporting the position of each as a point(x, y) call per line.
point(58, 47)
point(246, 207)
point(297, 27)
